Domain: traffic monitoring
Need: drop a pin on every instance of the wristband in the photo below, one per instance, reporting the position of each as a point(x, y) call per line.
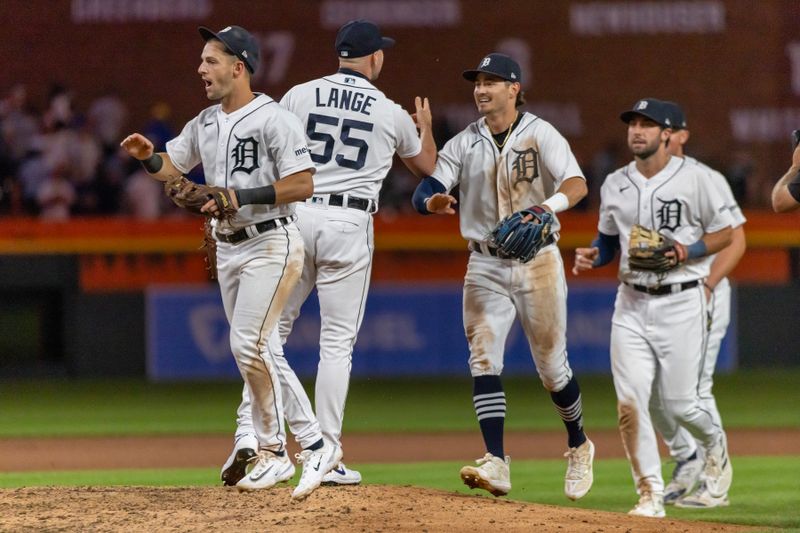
point(153, 163)
point(696, 249)
point(257, 195)
point(557, 203)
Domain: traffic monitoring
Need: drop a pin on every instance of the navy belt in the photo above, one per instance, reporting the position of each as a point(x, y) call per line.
point(337, 200)
point(242, 235)
point(475, 246)
point(661, 290)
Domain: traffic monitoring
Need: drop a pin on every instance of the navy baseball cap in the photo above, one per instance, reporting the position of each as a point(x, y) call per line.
point(359, 38)
point(677, 115)
point(499, 65)
point(238, 41)
point(656, 110)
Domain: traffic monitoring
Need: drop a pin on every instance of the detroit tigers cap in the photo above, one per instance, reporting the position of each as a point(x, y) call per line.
point(677, 115)
point(656, 110)
point(237, 40)
point(499, 65)
point(359, 38)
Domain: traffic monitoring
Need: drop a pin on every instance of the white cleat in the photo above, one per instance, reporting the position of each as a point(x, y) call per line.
point(580, 476)
point(244, 453)
point(650, 505)
point(684, 478)
point(316, 463)
point(701, 499)
point(341, 475)
point(492, 474)
point(268, 471)
point(718, 471)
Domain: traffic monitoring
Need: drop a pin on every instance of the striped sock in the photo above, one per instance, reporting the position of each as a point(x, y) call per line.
point(568, 406)
point(490, 407)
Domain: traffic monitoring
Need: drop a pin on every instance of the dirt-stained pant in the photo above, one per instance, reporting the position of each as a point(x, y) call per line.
point(496, 291)
point(338, 262)
point(255, 278)
point(657, 342)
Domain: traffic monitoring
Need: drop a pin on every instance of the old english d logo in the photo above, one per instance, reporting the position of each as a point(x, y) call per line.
point(245, 155)
point(669, 214)
point(525, 167)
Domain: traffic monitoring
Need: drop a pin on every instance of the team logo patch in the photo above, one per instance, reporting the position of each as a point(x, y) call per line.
point(641, 105)
point(485, 62)
point(525, 166)
point(244, 155)
point(669, 214)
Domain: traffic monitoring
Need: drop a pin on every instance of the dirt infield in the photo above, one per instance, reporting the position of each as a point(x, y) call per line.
point(367, 508)
point(25, 454)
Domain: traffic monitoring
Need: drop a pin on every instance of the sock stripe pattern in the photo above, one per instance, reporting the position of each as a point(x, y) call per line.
point(490, 405)
point(572, 413)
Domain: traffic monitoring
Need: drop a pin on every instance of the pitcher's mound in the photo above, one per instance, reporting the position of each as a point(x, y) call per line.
point(369, 508)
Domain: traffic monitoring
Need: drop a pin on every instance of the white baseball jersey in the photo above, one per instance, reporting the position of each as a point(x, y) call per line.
point(680, 202)
point(353, 132)
point(253, 146)
point(657, 341)
point(528, 170)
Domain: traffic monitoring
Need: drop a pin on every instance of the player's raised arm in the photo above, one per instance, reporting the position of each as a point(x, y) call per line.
point(424, 163)
point(157, 165)
point(786, 193)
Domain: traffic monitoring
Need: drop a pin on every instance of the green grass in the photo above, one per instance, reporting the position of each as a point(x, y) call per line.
point(128, 407)
point(764, 492)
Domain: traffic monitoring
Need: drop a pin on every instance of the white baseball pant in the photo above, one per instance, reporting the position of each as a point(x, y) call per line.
point(256, 278)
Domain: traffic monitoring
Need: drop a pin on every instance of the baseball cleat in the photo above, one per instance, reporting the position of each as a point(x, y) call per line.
point(268, 471)
point(650, 505)
point(580, 476)
point(684, 479)
point(492, 474)
point(316, 463)
point(341, 475)
point(242, 456)
point(718, 471)
point(701, 499)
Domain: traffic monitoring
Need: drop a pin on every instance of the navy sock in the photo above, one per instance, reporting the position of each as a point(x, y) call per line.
point(316, 446)
point(490, 407)
point(568, 405)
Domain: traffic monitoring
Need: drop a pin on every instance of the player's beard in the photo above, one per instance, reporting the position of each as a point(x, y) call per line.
point(644, 152)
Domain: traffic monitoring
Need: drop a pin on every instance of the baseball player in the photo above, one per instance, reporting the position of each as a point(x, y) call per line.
point(683, 448)
point(505, 162)
point(353, 131)
point(658, 330)
point(786, 193)
point(253, 147)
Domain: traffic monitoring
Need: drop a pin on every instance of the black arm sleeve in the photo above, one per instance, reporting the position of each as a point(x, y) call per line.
point(426, 188)
point(256, 195)
point(608, 246)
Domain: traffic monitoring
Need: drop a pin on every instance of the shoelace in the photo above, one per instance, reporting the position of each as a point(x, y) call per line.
point(261, 460)
point(304, 457)
point(578, 464)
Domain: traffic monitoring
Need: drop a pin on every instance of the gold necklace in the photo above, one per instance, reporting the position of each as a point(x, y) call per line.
point(508, 133)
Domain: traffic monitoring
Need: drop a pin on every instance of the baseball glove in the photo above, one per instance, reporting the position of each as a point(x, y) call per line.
point(516, 239)
point(192, 196)
point(210, 248)
point(648, 248)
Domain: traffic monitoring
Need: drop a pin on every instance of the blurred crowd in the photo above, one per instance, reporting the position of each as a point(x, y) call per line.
point(57, 161)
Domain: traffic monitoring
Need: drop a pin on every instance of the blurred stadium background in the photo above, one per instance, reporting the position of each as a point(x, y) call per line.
point(100, 277)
